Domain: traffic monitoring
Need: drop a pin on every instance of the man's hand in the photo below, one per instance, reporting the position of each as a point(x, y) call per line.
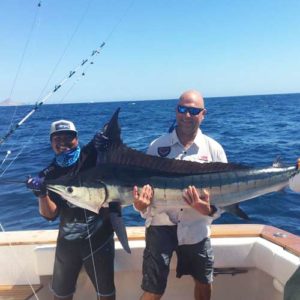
point(100, 141)
point(142, 200)
point(199, 203)
point(37, 185)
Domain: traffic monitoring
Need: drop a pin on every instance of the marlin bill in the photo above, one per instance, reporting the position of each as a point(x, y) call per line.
point(120, 168)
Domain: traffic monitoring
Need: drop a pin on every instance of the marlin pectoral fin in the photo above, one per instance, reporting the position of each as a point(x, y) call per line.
point(118, 225)
point(237, 211)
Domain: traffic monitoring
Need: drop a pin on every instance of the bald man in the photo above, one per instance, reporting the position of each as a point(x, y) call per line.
point(185, 230)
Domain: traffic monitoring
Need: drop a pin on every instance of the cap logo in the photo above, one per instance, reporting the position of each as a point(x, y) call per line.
point(62, 126)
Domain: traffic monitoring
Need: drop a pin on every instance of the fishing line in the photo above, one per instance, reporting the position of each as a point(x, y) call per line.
point(34, 133)
point(22, 59)
point(60, 84)
point(66, 47)
point(120, 20)
point(13, 128)
point(91, 249)
point(61, 57)
point(8, 152)
point(24, 146)
point(58, 62)
point(79, 77)
point(36, 130)
point(56, 88)
point(8, 181)
point(106, 39)
point(19, 263)
point(4, 171)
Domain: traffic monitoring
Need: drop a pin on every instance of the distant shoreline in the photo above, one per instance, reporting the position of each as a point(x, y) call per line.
point(71, 102)
point(10, 103)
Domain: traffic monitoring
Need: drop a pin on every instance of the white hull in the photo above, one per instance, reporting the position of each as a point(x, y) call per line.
point(27, 257)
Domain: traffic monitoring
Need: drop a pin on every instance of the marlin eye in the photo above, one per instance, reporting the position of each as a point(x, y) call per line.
point(69, 189)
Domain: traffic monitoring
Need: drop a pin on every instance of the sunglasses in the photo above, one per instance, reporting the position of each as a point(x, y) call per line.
point(194, 111)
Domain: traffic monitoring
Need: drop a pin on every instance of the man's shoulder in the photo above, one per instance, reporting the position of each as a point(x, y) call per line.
point(212, 142)
point(163, 140)
point(216, 149)
point(50, 169)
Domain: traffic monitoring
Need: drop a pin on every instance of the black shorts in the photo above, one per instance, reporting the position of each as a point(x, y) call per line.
point(195, 260)
point(69, 258)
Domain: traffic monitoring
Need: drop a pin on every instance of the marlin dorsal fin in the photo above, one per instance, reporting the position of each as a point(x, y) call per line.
point(112, 129)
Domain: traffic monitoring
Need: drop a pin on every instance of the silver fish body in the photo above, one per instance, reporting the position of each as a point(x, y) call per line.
point(98, 186)
point(120, 168)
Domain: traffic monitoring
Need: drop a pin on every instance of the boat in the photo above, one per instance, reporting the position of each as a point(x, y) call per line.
point(251, 262)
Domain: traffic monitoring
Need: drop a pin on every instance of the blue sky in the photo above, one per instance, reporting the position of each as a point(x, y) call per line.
point(159, 49)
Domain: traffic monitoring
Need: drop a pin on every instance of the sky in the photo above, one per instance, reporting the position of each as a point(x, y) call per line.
point(155, 49)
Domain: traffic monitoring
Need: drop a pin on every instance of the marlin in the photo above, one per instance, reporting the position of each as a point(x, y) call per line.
point(120, 168)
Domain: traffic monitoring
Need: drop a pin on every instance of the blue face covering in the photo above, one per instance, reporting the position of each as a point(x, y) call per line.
point(68, 158)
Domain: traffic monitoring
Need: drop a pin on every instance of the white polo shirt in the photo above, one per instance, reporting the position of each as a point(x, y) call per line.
point(192, 226)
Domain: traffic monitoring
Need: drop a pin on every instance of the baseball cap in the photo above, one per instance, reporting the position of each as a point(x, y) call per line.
point(62, 125)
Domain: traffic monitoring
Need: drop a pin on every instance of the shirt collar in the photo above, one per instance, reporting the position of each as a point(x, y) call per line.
point(175, 140)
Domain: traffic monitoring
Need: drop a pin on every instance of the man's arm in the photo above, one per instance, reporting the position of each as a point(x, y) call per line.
point(47, 208)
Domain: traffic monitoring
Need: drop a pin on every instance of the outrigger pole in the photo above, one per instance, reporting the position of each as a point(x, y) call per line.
point(56, 88)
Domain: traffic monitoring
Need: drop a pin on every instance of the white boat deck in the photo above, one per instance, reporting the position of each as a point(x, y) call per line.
point(268, 260)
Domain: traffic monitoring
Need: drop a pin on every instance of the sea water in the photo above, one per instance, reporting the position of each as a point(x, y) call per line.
point(254, 130)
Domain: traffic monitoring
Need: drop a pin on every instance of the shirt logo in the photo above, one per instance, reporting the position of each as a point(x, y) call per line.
point(203, 157)
point(163, 151)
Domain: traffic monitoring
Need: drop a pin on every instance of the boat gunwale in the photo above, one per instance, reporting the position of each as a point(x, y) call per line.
point(286, 240)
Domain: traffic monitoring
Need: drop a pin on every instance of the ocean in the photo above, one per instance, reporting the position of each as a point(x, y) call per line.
point(254, 130)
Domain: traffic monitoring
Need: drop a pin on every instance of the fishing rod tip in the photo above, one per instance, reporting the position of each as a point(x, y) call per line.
point(8, 152)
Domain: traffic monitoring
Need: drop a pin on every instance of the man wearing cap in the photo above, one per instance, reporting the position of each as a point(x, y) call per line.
point(84, 238)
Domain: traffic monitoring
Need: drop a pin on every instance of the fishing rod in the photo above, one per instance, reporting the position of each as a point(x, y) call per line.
point(66, 47)
point(56, 88)
point(22, 59)
point(38, 104)
point(41, 94)
point(13, 128)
